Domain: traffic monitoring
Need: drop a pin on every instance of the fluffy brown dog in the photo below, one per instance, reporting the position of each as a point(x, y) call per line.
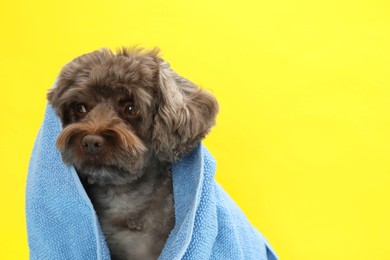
point(126, 117)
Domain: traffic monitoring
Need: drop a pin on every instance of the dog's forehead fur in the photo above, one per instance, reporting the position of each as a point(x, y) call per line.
point(103, 93)
point(104, 67)
point(101, 74)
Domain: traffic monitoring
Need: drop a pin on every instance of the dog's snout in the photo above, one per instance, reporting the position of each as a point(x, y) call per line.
point(92, 144)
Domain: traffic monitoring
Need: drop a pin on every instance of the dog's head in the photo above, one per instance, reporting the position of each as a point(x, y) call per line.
point(122, 112)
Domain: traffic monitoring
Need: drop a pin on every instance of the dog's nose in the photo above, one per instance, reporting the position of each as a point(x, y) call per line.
point(92, 144)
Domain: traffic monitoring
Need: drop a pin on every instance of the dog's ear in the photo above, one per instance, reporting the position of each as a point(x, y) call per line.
point(184, 115)
point(54, 94)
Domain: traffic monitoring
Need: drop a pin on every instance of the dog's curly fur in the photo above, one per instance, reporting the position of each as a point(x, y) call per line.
point(126, 118)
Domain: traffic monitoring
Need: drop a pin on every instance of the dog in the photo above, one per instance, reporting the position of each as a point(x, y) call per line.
point(126, 117)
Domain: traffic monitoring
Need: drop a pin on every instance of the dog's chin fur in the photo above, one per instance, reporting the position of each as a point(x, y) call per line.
point(107, 175)
point(141, 117)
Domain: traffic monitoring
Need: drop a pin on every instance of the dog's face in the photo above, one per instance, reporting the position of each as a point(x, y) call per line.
point(123, 112)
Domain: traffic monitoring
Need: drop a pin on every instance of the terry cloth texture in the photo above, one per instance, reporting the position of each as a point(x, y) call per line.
point(62, 223)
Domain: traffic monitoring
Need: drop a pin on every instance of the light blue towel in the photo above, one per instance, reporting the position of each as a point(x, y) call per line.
point(62, 223)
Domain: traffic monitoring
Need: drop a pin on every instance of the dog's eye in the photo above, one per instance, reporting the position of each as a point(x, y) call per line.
point(81, 108)
point(130, 110)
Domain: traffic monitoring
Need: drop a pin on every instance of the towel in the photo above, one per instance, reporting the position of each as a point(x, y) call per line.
point(62, 223)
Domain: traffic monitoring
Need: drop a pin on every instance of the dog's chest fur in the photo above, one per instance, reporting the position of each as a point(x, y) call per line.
point(136, 218)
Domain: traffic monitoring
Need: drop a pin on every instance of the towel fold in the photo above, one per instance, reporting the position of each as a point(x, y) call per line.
point(62, 223)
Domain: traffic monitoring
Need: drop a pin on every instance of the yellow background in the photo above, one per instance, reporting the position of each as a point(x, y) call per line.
point(303, 136)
